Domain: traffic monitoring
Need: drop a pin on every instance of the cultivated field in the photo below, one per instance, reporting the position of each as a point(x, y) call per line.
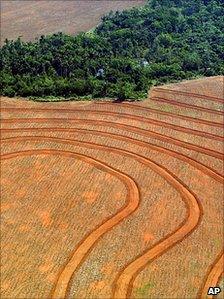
point(114, 200)
point(33, 18)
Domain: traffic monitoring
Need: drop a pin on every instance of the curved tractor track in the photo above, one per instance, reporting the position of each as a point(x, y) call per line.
point(203, 168)
point(190, 94)
point(189, 106)
point(215, 272)
point(123, 284)
point(134, 129)
point(186, 227)
point(165, 113)
point(147, 109)
point(82, 250)
point(129, 117)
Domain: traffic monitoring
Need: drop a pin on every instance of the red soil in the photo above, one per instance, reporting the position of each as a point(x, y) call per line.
point(175, 160)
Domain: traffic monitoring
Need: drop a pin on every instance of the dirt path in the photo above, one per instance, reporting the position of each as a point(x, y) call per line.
point(124, 116)
point(205, 169)
point(123, 284)
point(213, 276)
point(190, 94)
point(195, 107)
point(117, 125)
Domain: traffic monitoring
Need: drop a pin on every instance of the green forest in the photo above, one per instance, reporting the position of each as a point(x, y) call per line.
point(129, 51)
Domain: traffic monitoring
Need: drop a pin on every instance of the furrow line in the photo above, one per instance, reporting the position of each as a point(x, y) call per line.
point(124, 116)
point(203, 168)
point(190, 94)
point(169, 114)
point(83, 248)
point(117, 125)
point(213, 276)
point(190, 106)
point(123, 285)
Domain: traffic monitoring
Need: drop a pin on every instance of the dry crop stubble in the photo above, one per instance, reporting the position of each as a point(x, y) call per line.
point(185, 227)
point(181, 168)
point(215, 104)
point(193, 98)
point(132, 195)
point(129, 117)
point(26, 145)
point(55, 199)
point(92, 135)
point(35, 18)
point(211, 87)
point(173, 102)
point(214, 274)
point(120, 123)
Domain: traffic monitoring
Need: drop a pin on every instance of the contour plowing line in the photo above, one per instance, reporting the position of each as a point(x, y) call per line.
point(195, 107)
point(83, 249)
point(125, 116)
point(205, 169)
point(169, 114)
point(215, 272)
point(191, 94)
point(118, 125)
point(123, 284)
point(185, 228)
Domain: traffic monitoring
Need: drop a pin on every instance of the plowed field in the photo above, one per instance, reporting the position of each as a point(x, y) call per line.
point(32, 18)
point(114, 200)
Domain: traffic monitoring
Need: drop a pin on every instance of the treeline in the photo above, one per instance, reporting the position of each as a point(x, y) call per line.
point(128, 52)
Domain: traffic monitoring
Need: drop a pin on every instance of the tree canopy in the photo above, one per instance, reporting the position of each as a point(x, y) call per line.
point(163, 41)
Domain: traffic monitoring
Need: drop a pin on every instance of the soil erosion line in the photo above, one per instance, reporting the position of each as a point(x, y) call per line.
point(212, 279)
point(125, 116)
point(123, 284)
point(83, 249)
point(205, 169)
point(195, 107)
point(117, 125)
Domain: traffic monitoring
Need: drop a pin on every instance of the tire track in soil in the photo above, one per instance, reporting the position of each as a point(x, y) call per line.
point(190, 94)
point(189, 106)
point(143, 108)
point(153, 110)
point(124, 116)
point(117, 125)
point(214, 274)
point(83, 248)
point(169, 114)
point(190, 223)
point(205, 169)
